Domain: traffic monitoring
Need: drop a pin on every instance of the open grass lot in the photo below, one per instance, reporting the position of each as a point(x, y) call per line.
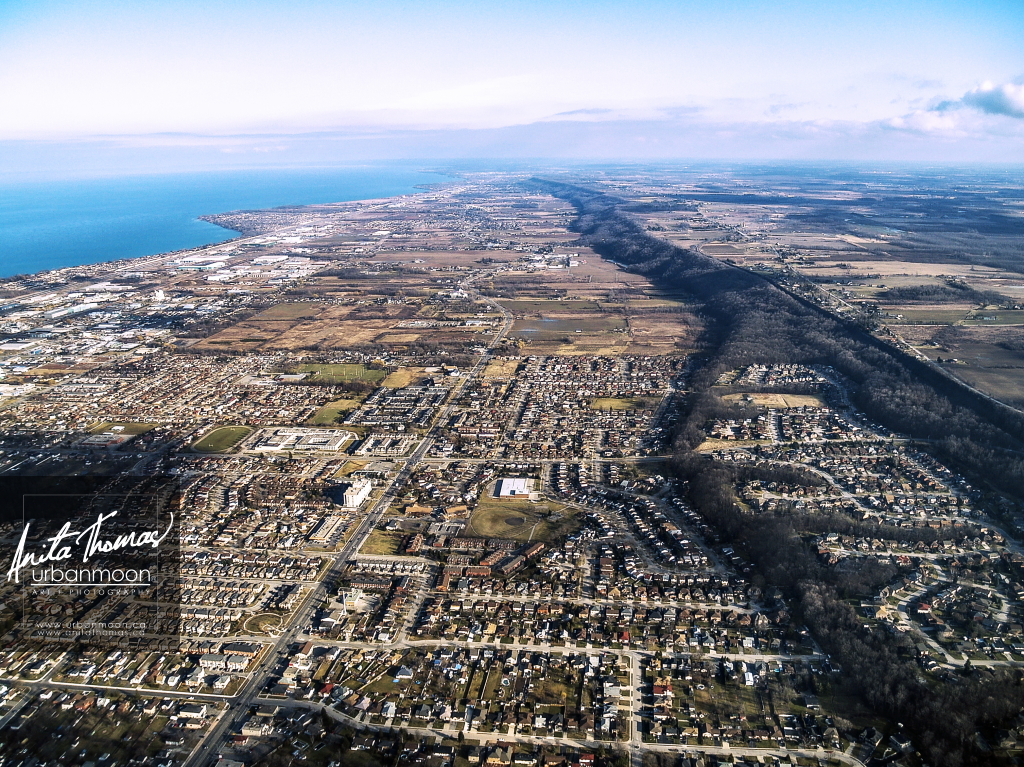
point(342, 373)
point(401, 337)
point(520, 520)
point(289, 311)
point(778, 401)
point(60, 368)
point(382, 542)
point(404, 377)
point(222, 439)
point(350, 467)
point(263, 623)
point(501, 369)
point(125, 427)
point(624, 403)
point(731, 698)
point(329, 413)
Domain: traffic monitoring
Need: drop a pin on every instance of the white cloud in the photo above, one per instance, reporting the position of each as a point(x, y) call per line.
point(926, 121)
point(981, 113)
point(1006, 99)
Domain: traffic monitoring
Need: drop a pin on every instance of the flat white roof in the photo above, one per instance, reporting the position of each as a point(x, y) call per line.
point(510, 486)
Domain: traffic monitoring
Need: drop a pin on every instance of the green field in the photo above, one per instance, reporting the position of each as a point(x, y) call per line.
point(518, 520)
point(624, 403)
point(342, 373)
point(551, 327)
point(996, 317)
point(126, 427)
point(540, 305)
point(327, 415)
point(222, 439)
point(925, 316)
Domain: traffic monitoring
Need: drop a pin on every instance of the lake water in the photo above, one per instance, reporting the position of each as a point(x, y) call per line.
point(52, 224)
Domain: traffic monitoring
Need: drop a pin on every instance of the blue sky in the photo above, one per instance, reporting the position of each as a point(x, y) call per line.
point(265, 82)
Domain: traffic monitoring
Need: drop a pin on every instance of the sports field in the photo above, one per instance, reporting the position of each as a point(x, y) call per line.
point(222, 439)
point(342, 373)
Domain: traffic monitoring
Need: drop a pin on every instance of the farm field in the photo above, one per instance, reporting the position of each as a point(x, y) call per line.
point(930, 316)
point(572, 333)
point(1006, 385)
point(990, 358)
point(289, 311)
point(662, 334)
point(541, 306)
point(995, 317)
point(550, 326)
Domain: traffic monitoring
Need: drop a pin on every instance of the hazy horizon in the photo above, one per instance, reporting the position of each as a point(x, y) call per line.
point(102, 84)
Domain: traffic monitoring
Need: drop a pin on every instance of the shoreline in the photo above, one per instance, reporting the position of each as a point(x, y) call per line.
point(74, 223)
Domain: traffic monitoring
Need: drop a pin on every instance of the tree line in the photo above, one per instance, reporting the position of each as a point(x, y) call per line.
point(751, 320)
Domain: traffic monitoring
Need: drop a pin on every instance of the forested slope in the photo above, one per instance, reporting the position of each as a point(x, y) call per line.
point(750, 320)
point(753, 321)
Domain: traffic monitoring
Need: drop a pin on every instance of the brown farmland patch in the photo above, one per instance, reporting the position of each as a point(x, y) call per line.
point(776, 400)
point(289, 311)
point(661, 334)
point(397, 338)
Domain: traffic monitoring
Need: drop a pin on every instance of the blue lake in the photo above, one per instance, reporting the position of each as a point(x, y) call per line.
point(52, 224)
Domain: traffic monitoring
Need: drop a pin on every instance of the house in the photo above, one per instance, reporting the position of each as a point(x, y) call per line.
point(193, 711)
point(500, 756)
point(256, 727)
point(363, 742)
